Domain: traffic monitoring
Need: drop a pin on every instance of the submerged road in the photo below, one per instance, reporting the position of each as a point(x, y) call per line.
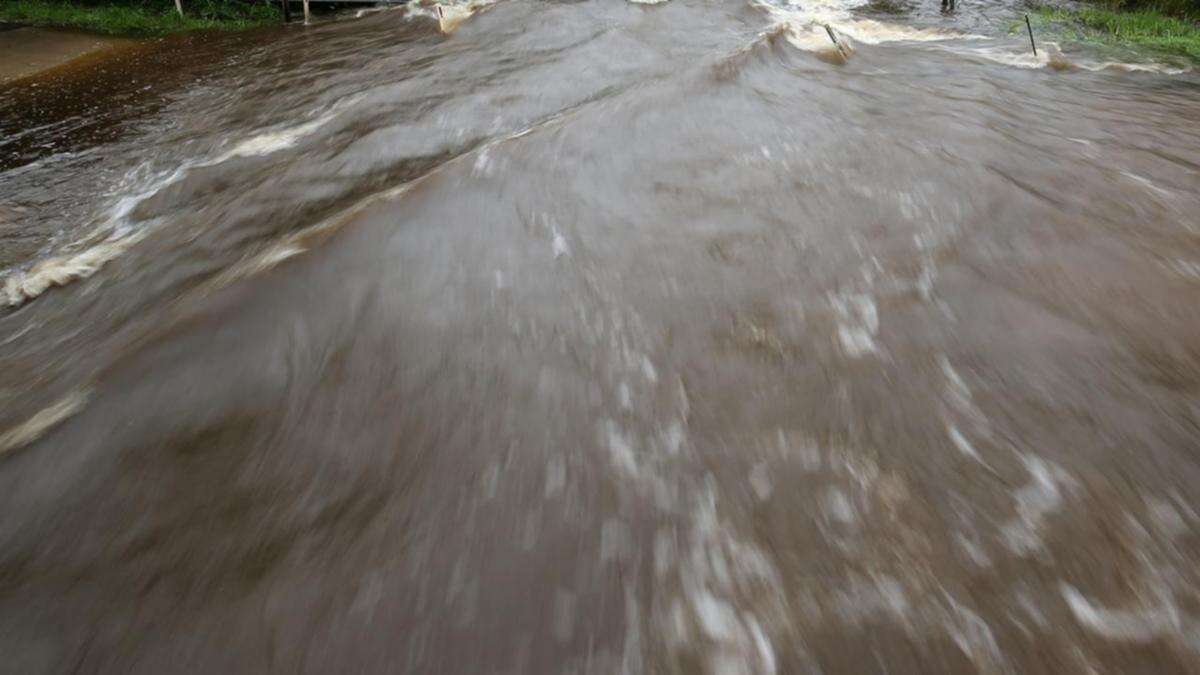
point(602, 337)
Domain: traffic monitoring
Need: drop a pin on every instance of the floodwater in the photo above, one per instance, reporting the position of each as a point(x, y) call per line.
point(603, 337)
point(27, 50)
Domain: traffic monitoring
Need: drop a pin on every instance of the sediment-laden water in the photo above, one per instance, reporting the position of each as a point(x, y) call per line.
point(603, 337)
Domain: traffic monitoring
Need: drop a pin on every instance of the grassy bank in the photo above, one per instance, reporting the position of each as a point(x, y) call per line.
point(1131, 25)
point(139, 17)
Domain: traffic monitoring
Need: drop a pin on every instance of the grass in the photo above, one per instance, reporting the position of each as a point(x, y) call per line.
point(140, 17)
point(1139, 27)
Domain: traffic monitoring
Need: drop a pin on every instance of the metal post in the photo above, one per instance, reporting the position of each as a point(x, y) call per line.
point(837, 44)
point(1030, 27)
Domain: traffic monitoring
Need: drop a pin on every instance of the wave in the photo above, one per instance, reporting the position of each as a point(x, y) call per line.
point(1050, 55)
point(35, 427)
point(23, 286)
point(274, 141)
point(731, 65)
point(116, 234)
point(812, 25)
point(447, 14)
point(808, 26)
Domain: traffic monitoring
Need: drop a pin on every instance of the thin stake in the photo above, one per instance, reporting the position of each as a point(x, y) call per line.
point(179, 7)
point(835, 41)
point(1030, 27)
point(305, 12)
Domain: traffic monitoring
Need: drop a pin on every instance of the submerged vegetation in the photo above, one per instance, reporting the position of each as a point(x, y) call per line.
point(139, 17)
point(1171, 27)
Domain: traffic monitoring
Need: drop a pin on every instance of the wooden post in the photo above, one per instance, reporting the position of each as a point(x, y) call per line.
point(1030, 27)
point(179, 7)
point(305, 12)
point(287, 12)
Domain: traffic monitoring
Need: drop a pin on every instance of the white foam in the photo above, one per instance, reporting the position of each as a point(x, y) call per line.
point(957, 386)
point(1050, 55)
point(964, 446)
point(1035, 501)
point(1159, 68)
point(674, 437)
point(620, 449)
point(22, 286)
point(858, 324)
point(559, 244)
point(1187, 268)
point(715, 572)
point(838, 507)
point(862, 600)
point(717, 618)
point(448, 14)
point(375, 10)
point(44, 420)
point(483, 163)
point(974, 637)
point(973, 550)
point(260, 262)
point(116, 236)
point(766, 653)
point(274, 141)
point(624, 397)
point(648, 370)
point(1128, 625)
point(1145, 182)
point(805, 24)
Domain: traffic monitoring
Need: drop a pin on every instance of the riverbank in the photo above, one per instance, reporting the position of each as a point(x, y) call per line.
point(139, 19)
point(1177, 35)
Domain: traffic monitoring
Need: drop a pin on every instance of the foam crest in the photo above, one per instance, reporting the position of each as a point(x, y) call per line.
point(116, 235)
point(809, 26)
point(448, 14)
point(1050, 55)
point(45, 420)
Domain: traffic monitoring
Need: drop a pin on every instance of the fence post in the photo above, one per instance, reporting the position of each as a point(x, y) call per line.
point(841, 50)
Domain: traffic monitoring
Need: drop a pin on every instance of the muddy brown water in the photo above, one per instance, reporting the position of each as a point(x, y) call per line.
point(27, 50)
point(600, 337)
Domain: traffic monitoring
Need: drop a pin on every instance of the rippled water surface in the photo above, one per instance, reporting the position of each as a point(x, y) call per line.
point(603, 337)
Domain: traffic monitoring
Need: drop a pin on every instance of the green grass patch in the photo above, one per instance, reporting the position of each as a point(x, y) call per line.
point(1143, 28)
point(140, 17)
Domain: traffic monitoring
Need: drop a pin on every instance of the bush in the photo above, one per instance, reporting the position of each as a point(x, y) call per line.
point(139, 17)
